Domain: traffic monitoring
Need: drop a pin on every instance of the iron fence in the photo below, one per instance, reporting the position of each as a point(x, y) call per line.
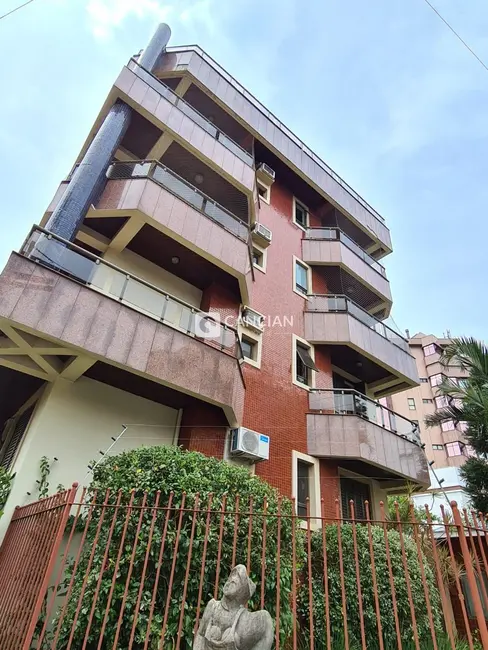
point(135, 570)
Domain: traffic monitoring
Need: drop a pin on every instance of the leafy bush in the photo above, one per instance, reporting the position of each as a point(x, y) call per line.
point(6, 480)
point(334, 613)
point(149, 469)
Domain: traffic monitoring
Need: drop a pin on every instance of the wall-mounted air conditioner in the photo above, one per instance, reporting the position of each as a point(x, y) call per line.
point(265, 174)
point(252, 319)
point(249, 444)
point(261, 234)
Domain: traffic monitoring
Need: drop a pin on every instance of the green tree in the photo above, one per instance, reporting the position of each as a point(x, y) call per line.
point(468, 403)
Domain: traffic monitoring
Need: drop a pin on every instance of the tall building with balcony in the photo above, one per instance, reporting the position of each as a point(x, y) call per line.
point(445, 444)
point(202, 278)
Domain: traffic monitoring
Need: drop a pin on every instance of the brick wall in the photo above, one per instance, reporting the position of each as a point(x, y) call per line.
point(203, 429)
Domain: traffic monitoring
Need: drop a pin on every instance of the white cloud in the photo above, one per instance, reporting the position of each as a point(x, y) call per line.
point(105, 15)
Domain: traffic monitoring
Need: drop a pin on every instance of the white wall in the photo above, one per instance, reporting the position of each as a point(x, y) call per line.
point(72, 422)
point(159, 277)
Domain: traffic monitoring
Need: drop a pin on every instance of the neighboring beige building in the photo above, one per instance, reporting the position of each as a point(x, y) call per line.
point(445, 444)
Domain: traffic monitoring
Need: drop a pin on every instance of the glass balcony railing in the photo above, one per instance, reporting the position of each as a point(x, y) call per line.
point(330, 303)
point(78, 264)
point(350, 402)
point(164, 90)
point(183, 190)
point(336, 234)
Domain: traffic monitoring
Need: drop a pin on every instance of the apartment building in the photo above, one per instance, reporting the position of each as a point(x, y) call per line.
point(445, 445)
point(202, 278)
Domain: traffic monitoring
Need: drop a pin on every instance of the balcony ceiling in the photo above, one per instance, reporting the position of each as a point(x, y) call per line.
point(156, 247)
point(340, 282)
point(181, 161)
point(141, 136)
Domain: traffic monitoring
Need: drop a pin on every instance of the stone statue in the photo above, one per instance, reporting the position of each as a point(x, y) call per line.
point(227, 625)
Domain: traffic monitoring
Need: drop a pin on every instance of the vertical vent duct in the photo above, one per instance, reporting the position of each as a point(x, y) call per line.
point(89, 179)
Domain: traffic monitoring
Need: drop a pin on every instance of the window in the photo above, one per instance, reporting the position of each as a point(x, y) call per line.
point(306, 485)
point(447, 425)
point(411, 404)
point(423, 380)
point(463, 426)
point(304, 365)
point(454, 449)
point(257, 257)
point(301, 278)
point(441, 402)
point(427, 401)
point(357, 492)
point(457, 403)
point(303, 487)
point(430, 349)
point(249, 348)
point(438, 447)
point(264, 192)
point(435, 380)
point(14, 439)
point(300, 214)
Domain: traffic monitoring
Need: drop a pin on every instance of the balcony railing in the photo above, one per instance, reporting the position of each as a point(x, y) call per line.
point(186, 108)
point(331, 303)
point(74, 262)
point(336, 234)
point(183, 190)
point(351, 402)
point(277, 122)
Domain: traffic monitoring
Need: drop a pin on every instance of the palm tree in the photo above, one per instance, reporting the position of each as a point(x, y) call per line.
point(468, 403)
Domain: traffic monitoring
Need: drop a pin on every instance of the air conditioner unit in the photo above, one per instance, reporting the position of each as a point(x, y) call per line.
point(252, 319)
point(261, 234)
point(265, 174)
point(249, 444)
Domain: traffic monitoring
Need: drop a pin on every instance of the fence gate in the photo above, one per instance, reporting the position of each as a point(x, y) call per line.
point(27, 557)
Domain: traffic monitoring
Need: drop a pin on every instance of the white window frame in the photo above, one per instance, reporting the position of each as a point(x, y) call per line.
point(411, 404)
point(264, 258)
point(267, 188)
point(299, 225)
point(297, 260)
point(297, 339)
point(256, 338)
point(315, 509)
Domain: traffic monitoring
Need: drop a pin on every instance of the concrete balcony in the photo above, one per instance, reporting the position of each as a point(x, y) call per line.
point(79, 303)
point(382, 352)
point(164, 108)
point(346, 425)
point(148, 192)
point(332, 247)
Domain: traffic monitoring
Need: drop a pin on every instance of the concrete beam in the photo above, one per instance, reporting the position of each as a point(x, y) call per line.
point(161, 146)
point(24, 364)
point(125, 235)
point(93, 239)
point(183, 86)
point(77, 367)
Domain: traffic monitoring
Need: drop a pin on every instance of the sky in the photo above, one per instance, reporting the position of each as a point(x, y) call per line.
point(380, 89)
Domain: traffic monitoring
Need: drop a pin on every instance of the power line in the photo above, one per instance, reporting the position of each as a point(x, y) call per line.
point(16, 9)
point(457, 35)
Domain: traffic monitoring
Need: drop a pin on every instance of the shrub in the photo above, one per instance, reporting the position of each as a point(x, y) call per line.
point(6, 481)
point(167, 469)
point(368, 602)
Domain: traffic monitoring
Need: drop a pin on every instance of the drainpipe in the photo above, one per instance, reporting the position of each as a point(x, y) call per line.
point(89, 179)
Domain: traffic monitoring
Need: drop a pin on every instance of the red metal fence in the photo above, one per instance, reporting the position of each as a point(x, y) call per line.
point(136, 570)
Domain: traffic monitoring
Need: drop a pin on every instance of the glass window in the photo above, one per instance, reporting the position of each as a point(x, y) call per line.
point(423, 380)
point(427, 401)
point(304, 365)
point(463, 426)
point(357, 492)
point(264, 192)
point(454, 449)
point(430, 349)
point(411, 404)
point(447, 425)
point(257, 258)
point(301, 278)
point(301, 215)
point(438, 447)
point(303, 487)
point(457, 403)
point(441, 402)
point(435, 380)
point(249, 348)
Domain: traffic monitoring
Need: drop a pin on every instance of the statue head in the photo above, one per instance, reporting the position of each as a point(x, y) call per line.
point(239, 586)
